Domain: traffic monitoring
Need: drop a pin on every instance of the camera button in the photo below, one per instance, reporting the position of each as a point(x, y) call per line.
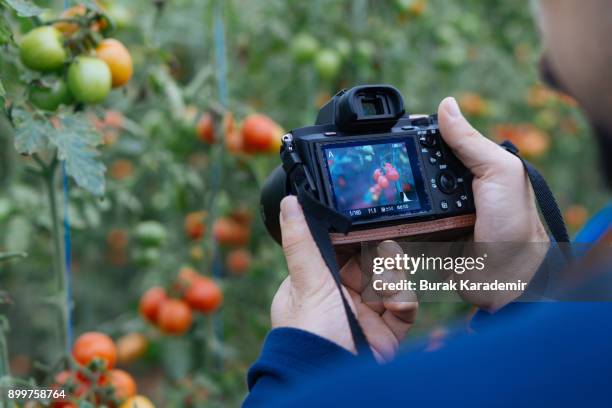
point(447, 182)
point(433, 160)
point(459, 204)
point(428, 140)
point(444, 205)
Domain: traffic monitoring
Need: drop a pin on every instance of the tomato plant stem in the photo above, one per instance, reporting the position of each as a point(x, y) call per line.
point(49, 173)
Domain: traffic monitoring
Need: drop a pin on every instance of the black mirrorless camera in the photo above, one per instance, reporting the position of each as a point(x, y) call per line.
point(368, 159)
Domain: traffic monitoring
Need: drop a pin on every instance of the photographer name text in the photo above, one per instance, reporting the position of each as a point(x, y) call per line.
point(451, 285)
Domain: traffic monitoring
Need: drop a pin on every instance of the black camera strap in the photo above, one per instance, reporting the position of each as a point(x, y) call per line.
point(545, 198)
point(321, 218)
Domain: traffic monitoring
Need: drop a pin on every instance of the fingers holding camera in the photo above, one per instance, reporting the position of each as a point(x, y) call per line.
point(479, 154)
point(306, 266)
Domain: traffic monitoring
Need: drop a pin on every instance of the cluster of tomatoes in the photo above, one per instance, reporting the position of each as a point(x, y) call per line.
point(171, 310)
point(78, 63)
point(256, 134)
point(383, 178)
point(93, 378)
point(232, 232)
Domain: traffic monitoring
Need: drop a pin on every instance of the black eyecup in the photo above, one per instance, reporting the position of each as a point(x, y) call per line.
point(350, 115)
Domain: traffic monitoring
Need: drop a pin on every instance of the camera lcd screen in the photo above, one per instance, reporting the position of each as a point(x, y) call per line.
point(375, 180)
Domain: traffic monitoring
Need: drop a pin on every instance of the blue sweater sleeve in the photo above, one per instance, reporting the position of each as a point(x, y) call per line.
point(290, 356)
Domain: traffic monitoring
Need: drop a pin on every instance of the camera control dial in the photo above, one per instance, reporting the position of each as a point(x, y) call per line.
point(447, 182)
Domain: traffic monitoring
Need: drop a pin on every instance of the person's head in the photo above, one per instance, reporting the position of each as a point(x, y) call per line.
point(577, 41)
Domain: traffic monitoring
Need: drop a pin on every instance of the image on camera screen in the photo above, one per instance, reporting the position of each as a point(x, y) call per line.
point(374, 179)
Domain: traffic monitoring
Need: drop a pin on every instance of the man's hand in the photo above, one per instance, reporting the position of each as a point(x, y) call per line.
point(308, 298)
point(505, 205)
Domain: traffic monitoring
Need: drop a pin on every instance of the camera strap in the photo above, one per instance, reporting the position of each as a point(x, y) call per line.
point(320, 219)
point(545, 198)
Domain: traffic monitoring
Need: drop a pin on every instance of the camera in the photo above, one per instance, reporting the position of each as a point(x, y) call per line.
point(366, 158)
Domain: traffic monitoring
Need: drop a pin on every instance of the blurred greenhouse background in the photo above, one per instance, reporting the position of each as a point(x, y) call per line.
point(226, 60)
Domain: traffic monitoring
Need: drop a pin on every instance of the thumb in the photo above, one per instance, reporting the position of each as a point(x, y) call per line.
point(306, 266)
point(474, 150)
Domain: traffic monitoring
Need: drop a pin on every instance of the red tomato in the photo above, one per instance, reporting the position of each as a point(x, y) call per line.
point(150, 302)
point(377, 174)
point(94, 345)
point(229, 232)
point(260, 134)
point(194, 225)
point(205, 129)
point(238, 261)
point(383, 182)
point(174, 317)
point(124, 384)
point(204, 295)
point(393, 175)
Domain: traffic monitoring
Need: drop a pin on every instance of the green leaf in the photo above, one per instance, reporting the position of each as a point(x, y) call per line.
point(24, 8)
point(5, 31)
point(76, 140)
point(31, 134)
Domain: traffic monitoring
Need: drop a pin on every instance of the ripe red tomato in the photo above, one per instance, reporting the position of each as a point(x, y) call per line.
point(94, 345)
point(229, 232)
point(238, 261)
point(174, 317)
point(124, 384)
point(195, 226)
point(89, 79)
point(242, 216)
point(383, 182)
point(260, 134)
point(151, 301)
point(118, 59)
point(377, 174)
point(393, 175)
point(204, 295)
point(41, 49)
point(205, 128)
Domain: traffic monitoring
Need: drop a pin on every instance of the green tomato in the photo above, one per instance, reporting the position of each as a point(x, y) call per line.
point(327, 63)
point(50, 98)
point(304, 47)
point(343, 46)
point(42, 50)
point(147, 256)
point(365, 51)
point(150, 233)
point(121, 15)
point(89, 79)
